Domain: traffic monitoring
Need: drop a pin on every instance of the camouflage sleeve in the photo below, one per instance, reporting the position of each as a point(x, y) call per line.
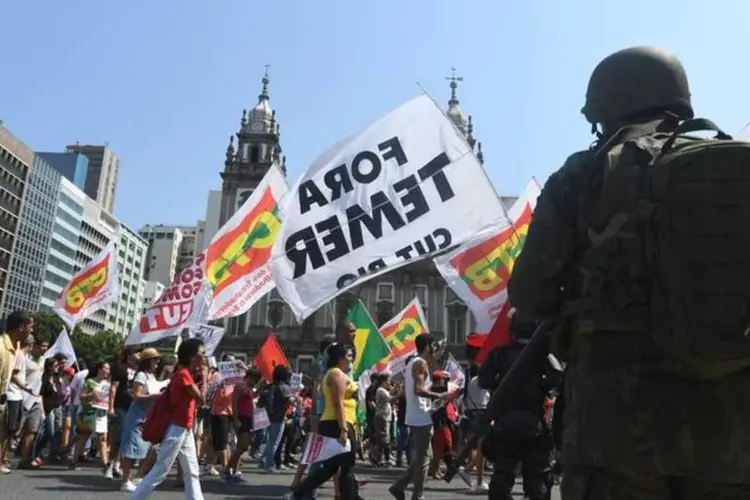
point(535, 286)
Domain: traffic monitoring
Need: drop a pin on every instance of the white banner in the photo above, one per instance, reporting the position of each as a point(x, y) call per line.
point(458, 376)
point(92, 288)
point(63, 346)
point(181, 305)
point(319, 448)
point(260, 419)
point(405, 188)
point(232, 371)
point(478, 271)
point(210, 335)
point(237, 257)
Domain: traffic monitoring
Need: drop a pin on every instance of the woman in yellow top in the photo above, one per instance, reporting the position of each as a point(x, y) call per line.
point(337, 421)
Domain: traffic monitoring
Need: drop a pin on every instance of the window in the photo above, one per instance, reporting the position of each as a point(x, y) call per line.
point(385, 292)
point(254, 154)
point(457, 324)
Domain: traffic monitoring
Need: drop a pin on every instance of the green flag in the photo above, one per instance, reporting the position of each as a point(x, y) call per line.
point(369, 345)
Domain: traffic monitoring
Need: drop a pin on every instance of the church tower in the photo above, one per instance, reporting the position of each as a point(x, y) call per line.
point(250, 153)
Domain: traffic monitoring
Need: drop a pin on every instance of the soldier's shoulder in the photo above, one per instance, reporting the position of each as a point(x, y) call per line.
point(576, 167)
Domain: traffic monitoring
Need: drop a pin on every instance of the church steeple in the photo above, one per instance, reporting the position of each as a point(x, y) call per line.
point(466, 126)
point(257, 139)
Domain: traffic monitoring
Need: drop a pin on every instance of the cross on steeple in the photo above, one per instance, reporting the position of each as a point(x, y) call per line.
point(454, 85)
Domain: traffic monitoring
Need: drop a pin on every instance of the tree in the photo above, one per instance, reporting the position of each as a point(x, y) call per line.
point(103, 346)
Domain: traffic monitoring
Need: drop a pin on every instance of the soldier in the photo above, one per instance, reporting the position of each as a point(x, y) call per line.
point(520, 435)
point(639, 246)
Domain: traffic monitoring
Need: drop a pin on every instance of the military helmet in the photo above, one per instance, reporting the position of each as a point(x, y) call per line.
point(636, 80)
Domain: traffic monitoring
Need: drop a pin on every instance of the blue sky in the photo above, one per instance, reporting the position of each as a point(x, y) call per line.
point(164, 82)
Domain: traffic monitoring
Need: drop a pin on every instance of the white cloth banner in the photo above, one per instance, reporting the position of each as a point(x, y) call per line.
point(237, 257)
point(319, 448)
point(63, 346)
point(92, 288)
point(457, 374)
point(210, 335)
point(405, 188)
point(181, 305)
point(478, 271)
point(232, 371)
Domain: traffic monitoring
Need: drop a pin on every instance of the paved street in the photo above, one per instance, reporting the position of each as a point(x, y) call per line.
point(88, 484)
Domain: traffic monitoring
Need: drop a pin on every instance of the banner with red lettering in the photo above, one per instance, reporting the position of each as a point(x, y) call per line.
point(237, 257)
point(478, 271)
point(399, 333)
point(92, 288)
point(183, 304)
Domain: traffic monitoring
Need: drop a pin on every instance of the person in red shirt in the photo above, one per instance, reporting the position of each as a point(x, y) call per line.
point(179, 442)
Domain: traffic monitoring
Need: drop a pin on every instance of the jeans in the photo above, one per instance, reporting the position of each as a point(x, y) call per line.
point(45, 435)
point(275, 433)
point(419, 461)
point(178, 442)
point(403, 442)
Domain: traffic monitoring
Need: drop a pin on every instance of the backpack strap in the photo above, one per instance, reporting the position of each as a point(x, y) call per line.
point(694, 125)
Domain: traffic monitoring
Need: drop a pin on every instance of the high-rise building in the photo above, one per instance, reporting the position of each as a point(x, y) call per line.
point(32, 253)
point(163, 252)
point(213, 216)
point(74, 166)
point(62, 261)
point(152, 290)
point(189, 245)
point(16, 159)
point(103, 172)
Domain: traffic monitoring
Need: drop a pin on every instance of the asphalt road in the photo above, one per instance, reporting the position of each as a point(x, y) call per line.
point(59, 483)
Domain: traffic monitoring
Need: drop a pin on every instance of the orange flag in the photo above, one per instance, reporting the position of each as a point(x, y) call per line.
point(269, 356)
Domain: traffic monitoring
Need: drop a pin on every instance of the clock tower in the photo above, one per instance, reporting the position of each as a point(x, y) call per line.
point(250, 153)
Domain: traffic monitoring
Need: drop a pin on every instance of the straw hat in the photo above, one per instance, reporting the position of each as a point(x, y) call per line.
point(149, 353)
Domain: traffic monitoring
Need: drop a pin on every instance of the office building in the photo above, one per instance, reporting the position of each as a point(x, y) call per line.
point(62, 261)
point(15, 161)
point(74, 166)
point(131, 261)
point(163, 252)
point(213, 213)
point(103, 171)
point(32, 253)
point(152, 290)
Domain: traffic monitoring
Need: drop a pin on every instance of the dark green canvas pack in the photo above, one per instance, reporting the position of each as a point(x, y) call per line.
point(669, 248)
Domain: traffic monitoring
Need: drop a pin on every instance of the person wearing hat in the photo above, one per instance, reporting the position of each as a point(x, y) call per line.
point(133, 446)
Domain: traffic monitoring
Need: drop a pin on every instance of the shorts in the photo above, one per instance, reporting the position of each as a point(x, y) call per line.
point(68, 411)
point(220, 432)
point(31, 419)
point(246, 425)
point(98, 423)
point(13, 414)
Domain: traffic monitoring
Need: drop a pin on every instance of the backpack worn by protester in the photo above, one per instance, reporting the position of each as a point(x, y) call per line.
point(154, 427)
point(669, 247)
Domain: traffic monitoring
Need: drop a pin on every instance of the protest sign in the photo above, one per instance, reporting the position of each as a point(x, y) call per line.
point(405, 188)
point(260, 419)
point(182, 304)
point(232, 371)
point(319, 448)
point(210, 335)
point(399, 333)
point(62, 346)
point(478, 271)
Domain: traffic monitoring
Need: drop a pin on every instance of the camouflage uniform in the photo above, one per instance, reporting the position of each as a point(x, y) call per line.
point(631, 431)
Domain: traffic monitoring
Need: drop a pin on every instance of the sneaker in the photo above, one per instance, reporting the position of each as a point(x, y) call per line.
point(4, 469)
point(483, 487)
point(213, 472)
point(128, 486)
point(108, 473)
point(396, 493)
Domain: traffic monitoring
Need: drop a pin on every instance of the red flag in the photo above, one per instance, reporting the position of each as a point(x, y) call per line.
point(476, 340)
point(498, 336)
point(269, 356)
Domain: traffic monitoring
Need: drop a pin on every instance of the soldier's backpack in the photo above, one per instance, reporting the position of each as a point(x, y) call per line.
point(669, 247)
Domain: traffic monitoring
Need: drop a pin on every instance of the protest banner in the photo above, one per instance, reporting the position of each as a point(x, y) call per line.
point(405, 188)
point(92, 288)
point(399, 333)
point(232, 371)
point(319, 448)
point(295, 382)
point(237, 257)
point(182, 304)
point(210, 335)
point(260, 419)
point(478, 271)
